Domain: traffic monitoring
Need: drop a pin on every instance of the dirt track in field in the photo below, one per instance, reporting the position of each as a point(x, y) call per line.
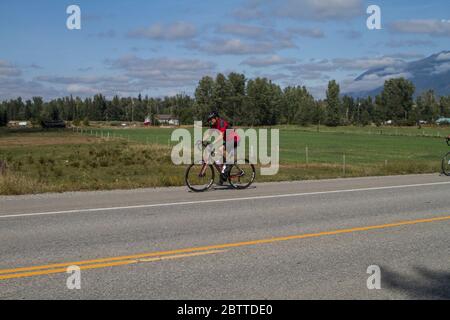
point(44, 140)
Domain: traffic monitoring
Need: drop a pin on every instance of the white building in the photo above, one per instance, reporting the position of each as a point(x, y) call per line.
point(167, 119)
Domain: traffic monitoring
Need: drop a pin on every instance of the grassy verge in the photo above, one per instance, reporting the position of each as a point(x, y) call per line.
point(49, 165)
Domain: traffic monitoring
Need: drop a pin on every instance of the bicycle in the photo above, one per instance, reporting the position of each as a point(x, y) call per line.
point(446, 161)
point(200, 177)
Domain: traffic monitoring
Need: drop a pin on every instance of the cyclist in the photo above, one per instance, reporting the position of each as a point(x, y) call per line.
point(231, 138)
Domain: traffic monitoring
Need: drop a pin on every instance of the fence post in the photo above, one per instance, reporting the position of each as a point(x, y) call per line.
point(307, 155)
point(344, 164)
point(3, 167)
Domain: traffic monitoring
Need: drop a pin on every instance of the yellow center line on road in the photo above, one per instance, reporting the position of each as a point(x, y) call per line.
point(105, 265)
point(181, 253)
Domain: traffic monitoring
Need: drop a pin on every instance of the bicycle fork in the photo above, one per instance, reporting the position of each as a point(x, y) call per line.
point(203, 170)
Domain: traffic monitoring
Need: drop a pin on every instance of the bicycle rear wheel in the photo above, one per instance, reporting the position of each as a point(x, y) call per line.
point(242, 176)
point(446, 165)
point(199, 177)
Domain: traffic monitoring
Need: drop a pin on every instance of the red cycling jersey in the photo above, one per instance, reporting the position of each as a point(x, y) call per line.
point(223, 126)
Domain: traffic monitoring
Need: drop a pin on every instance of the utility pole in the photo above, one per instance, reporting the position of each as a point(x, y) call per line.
point(132, 110)
point(359, 112)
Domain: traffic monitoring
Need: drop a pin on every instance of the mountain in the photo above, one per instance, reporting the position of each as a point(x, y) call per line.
point(429, 73)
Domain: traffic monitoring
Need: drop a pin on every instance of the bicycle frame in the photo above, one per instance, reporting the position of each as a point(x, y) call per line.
point(206, 161)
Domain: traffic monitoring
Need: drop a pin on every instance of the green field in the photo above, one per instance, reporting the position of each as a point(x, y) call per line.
point(94, 159)
point(360, 145)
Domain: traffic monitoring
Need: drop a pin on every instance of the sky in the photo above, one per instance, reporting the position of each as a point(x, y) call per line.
point(160, 48)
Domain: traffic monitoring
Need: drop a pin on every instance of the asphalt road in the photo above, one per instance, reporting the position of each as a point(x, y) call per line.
point(297, 240)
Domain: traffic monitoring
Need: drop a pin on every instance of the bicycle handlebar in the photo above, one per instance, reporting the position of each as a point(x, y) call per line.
point(202, 144)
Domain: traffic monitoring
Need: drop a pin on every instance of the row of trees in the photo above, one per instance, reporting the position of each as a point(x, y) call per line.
point(244, 102)
point(395, 103)
point(97, 108)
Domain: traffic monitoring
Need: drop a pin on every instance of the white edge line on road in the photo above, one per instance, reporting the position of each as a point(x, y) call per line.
point(221, 200)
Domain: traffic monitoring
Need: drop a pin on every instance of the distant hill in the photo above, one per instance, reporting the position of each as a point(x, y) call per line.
point(429, 73)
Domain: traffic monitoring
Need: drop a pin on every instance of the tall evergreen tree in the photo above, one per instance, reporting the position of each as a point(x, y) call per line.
point(427, 106)
point(444, 106)
point(333, 104)
point(222, 92)
point(204, 98)
point(236, 100)
point(397, 99)
point(3, 117)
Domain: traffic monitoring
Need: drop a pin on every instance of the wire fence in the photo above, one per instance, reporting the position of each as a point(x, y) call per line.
point(345, 160)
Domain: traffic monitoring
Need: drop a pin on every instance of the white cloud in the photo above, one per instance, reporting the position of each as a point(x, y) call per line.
point(367, 63)
point(251, 10)
point(92, 84)
point(105, 34)
point(245, 40)
point(320, 9)
point(429, 27)
point(302, 9)
point(9, 70)
point(77, 89)
point(241, 47)
point(170, 32)
point(444, 56)
point(267, 61)
point(337, 64)
point(71, 80)
point(242, 30)
point(162, 72)
point(369, 82)
point(442, 68)
point(11, 88)
point(409, 43)
point(308, 32)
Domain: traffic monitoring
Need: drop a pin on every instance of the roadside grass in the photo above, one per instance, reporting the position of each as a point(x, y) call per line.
point(97, 165)
point(59, 161)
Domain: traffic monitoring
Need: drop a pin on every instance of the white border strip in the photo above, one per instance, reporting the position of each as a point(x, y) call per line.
point(220, 200)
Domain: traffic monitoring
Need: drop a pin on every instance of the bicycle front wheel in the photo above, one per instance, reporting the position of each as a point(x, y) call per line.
point(242, 176)
point(199, 177)
point(446, 165)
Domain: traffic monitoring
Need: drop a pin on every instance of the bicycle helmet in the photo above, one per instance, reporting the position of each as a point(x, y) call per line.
point(212, 115)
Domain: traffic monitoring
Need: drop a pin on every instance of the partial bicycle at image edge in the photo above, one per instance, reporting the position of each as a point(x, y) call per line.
point(446, 161)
